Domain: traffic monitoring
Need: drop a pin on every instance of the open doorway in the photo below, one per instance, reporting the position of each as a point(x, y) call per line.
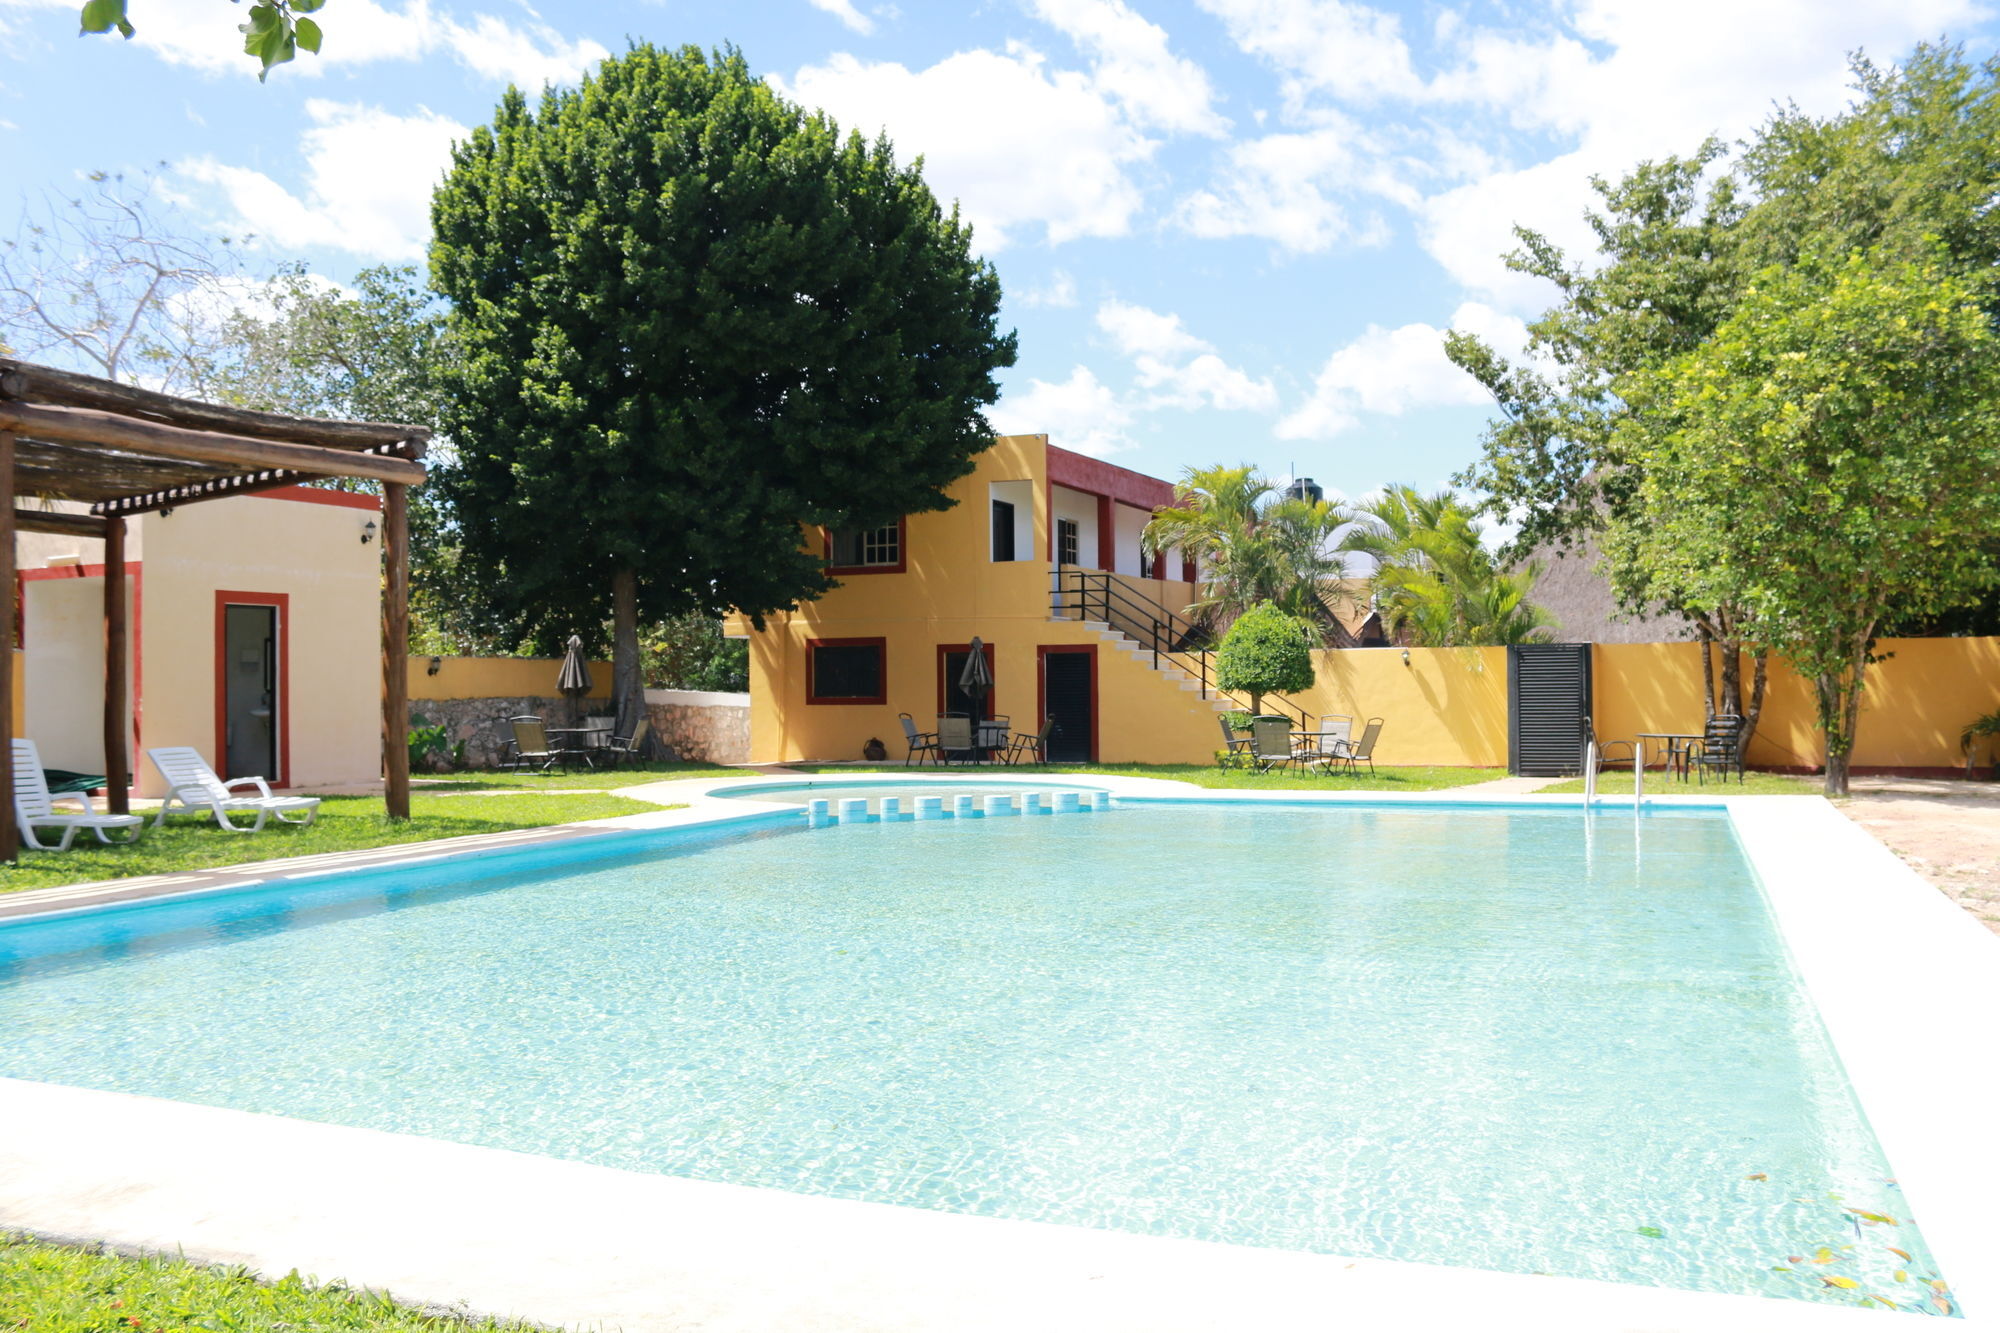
point(250, 690)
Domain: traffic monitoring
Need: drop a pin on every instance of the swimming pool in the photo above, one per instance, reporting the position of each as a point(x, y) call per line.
point(1502, 1039)
point(905, 789)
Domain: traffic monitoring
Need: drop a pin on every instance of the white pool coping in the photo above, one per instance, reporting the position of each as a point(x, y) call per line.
point(1904, 981)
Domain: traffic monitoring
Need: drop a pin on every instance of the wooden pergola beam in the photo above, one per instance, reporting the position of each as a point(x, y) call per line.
point(53, 520)
point(45, 384)
point(247, 483)
point(87, 426)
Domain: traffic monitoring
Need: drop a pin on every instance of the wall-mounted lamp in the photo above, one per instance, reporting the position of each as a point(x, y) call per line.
point(1406, 657)
point(368, 532)
point(437, 664)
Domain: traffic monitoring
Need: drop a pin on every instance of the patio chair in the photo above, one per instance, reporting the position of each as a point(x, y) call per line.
point(532, 749)
point(920, 742)
point(1720, 748)
point(996, 736)
point(1363, 750)
point(954, 737)
point(193, 787)
point(34, 807)
point(1234, 745)
point(1031, 743)
point(1326, 749)
point(510, 749)
point(1607, 751)
point(629, 749)
point(1271, 742)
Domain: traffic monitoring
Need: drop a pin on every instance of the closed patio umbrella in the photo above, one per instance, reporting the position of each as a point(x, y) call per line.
point(573, 681)
point(976, 679)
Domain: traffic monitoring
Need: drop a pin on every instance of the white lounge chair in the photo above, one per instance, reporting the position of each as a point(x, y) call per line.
point(192, 788)
point(34, 808)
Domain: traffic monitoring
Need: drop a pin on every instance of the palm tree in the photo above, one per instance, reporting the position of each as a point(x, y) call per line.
point(1435, 581)
point(1252, 546)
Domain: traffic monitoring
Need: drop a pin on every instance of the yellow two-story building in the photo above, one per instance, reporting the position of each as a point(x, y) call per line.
point(1040, 559)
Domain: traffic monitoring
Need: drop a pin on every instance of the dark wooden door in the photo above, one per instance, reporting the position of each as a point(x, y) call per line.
point(1068, 700)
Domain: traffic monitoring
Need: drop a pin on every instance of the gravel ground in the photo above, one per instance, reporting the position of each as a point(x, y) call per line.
point(1948, 831)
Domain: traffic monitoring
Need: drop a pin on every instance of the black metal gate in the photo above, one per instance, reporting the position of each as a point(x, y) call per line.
point(1548, 698)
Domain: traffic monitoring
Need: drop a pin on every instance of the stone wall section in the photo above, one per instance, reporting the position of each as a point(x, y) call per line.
point(704, 725)
point(482, 723)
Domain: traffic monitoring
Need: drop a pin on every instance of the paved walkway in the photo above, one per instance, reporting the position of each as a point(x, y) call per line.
point(1946, 829)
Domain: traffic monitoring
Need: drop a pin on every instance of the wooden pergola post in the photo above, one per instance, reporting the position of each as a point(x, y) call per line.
point(117, 759)
point(10, 837)
point(396, 650)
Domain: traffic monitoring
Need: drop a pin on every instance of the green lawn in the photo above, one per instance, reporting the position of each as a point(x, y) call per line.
point(346, 823)
point(1203, 775)
point(62, 1289)
point(1659, 783)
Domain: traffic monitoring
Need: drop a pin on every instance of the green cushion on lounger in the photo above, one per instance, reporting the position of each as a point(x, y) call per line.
point(62, 782)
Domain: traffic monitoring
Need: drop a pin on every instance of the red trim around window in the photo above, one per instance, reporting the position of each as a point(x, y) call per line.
point(944, 672)
point(1042, 654)
point(281, 707)
point(883, 677)
point(902, 554)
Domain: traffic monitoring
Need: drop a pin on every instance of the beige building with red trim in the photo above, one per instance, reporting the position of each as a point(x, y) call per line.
point(255, 637)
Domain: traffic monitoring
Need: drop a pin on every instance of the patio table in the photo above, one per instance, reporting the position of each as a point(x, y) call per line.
point(578, 741)
point(1678, 744)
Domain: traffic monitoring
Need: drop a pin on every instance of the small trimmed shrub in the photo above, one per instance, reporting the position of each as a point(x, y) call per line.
point(1265, 652)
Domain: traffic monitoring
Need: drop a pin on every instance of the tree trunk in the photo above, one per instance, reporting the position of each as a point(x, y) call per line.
point(628, 688)
point(1760, 663)
point(1840, 714)
point(1707, 637)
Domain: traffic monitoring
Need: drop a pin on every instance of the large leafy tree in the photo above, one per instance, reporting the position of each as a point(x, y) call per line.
point(1910, 163)
point(376, 351)
point(1828, 457)
point(1253, 546)
point(1267, 651)
point(1436, 582)
point(692, 317)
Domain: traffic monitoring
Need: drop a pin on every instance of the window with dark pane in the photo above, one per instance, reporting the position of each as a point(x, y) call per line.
point(856, 548)
point(847, 671)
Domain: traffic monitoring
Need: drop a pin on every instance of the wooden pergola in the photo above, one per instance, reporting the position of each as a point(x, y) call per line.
point(125, 451)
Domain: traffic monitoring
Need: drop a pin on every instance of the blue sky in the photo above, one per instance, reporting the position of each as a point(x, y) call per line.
point(1229, 230)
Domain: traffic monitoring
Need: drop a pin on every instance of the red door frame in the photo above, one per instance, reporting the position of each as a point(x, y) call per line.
point(1042, 654)
point(281, 707)
point(944, 670)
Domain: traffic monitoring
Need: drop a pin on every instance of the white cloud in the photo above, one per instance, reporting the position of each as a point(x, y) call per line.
point(1280, 187)
point(1394, 371)
point(1018, 145)
point(203, 35)
point(1058, 293)
point(1081, 414)
point(1137, 331)
point(1132, 63)
point(369, 176)
point(845, 11)
point(527, 56)
point(1205, 381)
point(1324, 46)
point(1178, 369)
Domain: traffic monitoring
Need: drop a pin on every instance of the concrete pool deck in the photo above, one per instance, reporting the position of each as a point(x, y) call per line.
point(1897, 971)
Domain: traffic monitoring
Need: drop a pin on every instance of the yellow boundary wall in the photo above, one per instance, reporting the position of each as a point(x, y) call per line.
point(495, 677)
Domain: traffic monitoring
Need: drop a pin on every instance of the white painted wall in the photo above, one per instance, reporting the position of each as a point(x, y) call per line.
point(1128, 525)
point(1020, 494)
point(1081, 507)
point(312, 552)
point(62, 663)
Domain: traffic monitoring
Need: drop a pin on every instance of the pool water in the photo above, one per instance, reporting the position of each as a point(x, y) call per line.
point(1510, 1040)
point(803, 793)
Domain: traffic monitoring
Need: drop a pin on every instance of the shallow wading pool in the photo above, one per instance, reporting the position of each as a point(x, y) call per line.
point(1525, 1040)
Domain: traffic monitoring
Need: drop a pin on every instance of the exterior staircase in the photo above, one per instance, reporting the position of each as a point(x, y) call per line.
point(1177, 676)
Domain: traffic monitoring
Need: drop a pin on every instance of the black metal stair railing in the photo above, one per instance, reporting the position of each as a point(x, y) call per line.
point(1173, 640)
